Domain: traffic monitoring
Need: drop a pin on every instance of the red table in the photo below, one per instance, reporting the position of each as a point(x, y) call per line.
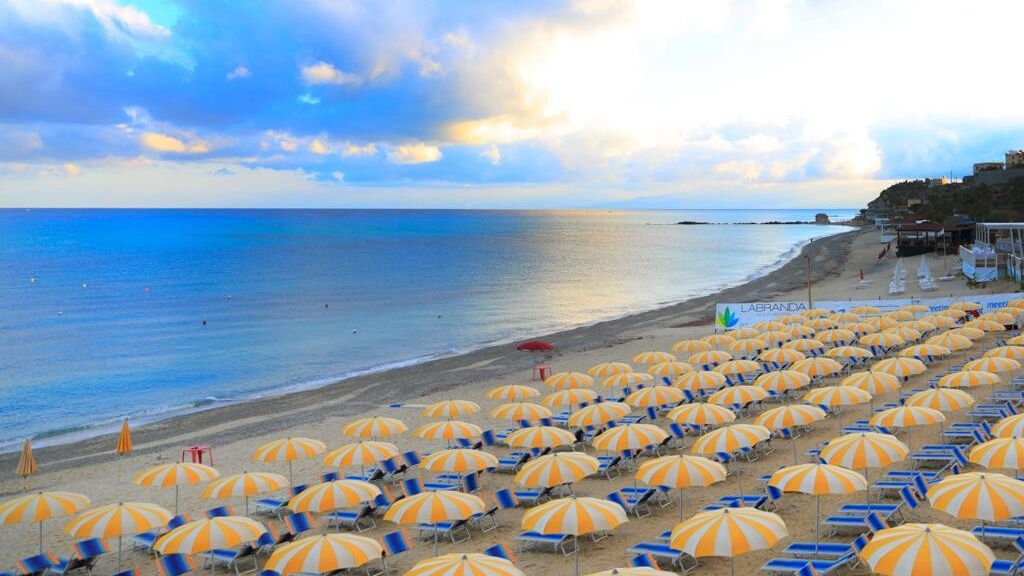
point(541, 372)
point(196, 453)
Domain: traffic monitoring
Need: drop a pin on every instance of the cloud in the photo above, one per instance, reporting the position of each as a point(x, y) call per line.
point(119, 20)
point(416, 153)
point(317, 146)
point(308, 99)
point(71, 169)
point(350, 149)
point(325, 73)
point(338, 176)
point(239, 72)
point(163, 143)
point(458, 39)
point(492, 154)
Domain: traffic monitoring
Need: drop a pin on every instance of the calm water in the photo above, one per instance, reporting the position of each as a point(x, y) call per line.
point(101, 311)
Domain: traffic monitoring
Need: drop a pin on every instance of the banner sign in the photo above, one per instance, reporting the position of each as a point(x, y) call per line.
point(740, 314)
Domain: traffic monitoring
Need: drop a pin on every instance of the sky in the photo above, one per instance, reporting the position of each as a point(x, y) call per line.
point(488, 104)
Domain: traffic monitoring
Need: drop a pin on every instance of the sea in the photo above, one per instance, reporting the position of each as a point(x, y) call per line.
point(142, 314)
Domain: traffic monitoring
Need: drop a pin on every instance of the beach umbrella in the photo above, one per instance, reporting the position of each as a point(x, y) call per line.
point(900, 315)
point(737, 368)
point(450, 409)
point(597, 415)
point(540, 437)
point(921, 326)
point(907, 417)
point(699, 381)
point(837, 397)
point(767, 325)
point(653, 357)
point(805, 345)
point(575, 516)
point(865, 310)
point(535, 346)
point(434, 507)
point(864, 450)
point(780, 356)
point(448, 430)
point(175, 474)
point(224, 532)
point(739, 395)
point(906, 332)
point(374, 427)
point(667, 371)
point(1018, 303)
point(465, 565)
point(782, 381)
point(789, 319)
point(655, 397)
point(728, 532)
point(986, 325)
point(740, 333)
point(993, 364)
point(845, 317)
point(817, 479)
point(245, 484)
point(1012, 352)
point(629, 437)
point(883, 322)
point(512, 392)
point(942, 321)
point(709, 359)
point(121, 519)
point(860, 328)
point(729, 439)
point(899, 367)
point(999, 453)
point(915, 308)
point(788, 417)
point(323, 554)
point(288, 450)
point(521, 411)
point(942, 399)
point(360, 454)
point(718, 339)
point(1009, 427)
point(701, 415)
point(836, 336)
point(999, 317)
point(633, 571)
point(691, 346)
point(874, 383)
point(328, 496)
point(801, 331)
point(954, 342)
point(879, 342)
point(748, 347)
point(570, 397)
point(459, 460)
point(623, 380)
point(26, 460)
point(984, 496)
point(969, 379)
point(568, 380)
point(933, 549)
point(41, 506)
point(849, 353)
point(605, 369)
point(1015, 341)
point(776, 337)
point(820, 324)
point(816, 313)
point(680, 471)
point(925, 352)
point(557, 469)
point(124, 439)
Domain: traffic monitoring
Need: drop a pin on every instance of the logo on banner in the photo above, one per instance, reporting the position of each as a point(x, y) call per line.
point(726, 319)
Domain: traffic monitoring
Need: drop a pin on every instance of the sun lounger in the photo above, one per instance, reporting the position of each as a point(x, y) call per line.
point(513, 462)
point(275, 506)
point(352, 519)
point(1010, 567)
point(394, 543)
point(500, 551)
point(531, 497)
point(220, 512)
point(822, 550)
point(36, 565)
point(637, 505)
point(174, 565)
point(450, 530)
point(232, 559)
point(837, 523)
point(791, 566)
point(609, 466)
point(644, 561)
point(145, 540)
point(990, 532)
point(86, 553)
point(563, 543)
point(682, 561)
point(271, 539)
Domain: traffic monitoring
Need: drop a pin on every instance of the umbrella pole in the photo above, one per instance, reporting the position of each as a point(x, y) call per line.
point(867, 483)
point(732, 566)
point(576, 544)
point(40, 536)
point(792, 441)
point(246, 504)
point(119, 552)
point(435, 541)
point(817, 523)
point(176, 489)
point(291, 479)
point(680, 509)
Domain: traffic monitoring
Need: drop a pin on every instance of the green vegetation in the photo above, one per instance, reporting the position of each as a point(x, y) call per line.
point(980, 202)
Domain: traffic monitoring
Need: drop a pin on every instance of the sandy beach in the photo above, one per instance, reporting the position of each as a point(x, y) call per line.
point(235, 431)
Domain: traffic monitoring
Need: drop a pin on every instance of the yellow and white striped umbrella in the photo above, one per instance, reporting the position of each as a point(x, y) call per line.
point(965, 305)
point(653, 357)
point(883, 322)
point(849, 353)
point(540, 437)
point(680, 471)
point(599, 414)
point(836, 336)
point(864, 450)
point(629, 437)
point(932, 549)
point(906, 332)
point(605, 369)
point(1018, 303)
point(512, 392)
point(718, 339)
point(633, 571)
point(865, 310)
point(944, 321)
point(655, 397)
point(845, 317)
point(915, 308)
point(740, 333)
point(993, 364)
point(748, 347)
point(374, 427)
point(969, 379)
point(730, 438)
point(701, 414)
point(323, 554)
point(986, 325)
point(769, 325)
point(569, 380)
point(999, 317)
point(434, 507)
point(245, 484)
point(521, 411)
point(781, 356)
point(459, 460)
point(899, 367)
point(978, 496)
point(832, 396)
point(40, 506)
point(556, 469)
point(728, 532)
point(805, 345)
point(860, 328)
point(907, 416)
point(288, 449)
point(782, 381)
point(175, 474)
point(900, 315)
point(922, 326)
point(821, 324)
point(1015, 341)
point(121, 519)
point(572, 396)
point(451, 409)
point(218, 533)
point(733, 367)
point(360, 454)
point(954, 342)
point(742, 395)
point(881, 340)
point(954, 313)
point(328, 496)
point(789, 319)
point(776, 337)
point(700, 380)
point(999, 453)
point(942, 399)
point(873, 383)
point(817, 479)
point(576, 515)
point(1009, 427)
point(709, 359)
point(1012, 352)
point(465, 565)
point(625, 379)
point(925, 352)
point(801, 331)
point(448, 430)
point(789, 416)
point(691, 346)
point(670, 370)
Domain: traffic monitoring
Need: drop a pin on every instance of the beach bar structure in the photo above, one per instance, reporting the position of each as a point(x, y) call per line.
point(914, 237)
point(998, 252)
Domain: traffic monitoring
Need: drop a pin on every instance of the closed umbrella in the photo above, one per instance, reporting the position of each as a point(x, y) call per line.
point(124, 439)
point(27, 461)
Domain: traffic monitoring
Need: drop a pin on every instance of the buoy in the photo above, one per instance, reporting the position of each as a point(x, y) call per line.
point(32, 279)
point(204, 322)
point(230, 296)
point(83, 284)
point(353, 331)
point(60, 313)
point(327, 305)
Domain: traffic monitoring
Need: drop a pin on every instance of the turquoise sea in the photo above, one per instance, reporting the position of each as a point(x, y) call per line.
point(143, 313)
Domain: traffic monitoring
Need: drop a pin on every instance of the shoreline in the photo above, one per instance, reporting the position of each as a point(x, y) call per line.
point(357, 394)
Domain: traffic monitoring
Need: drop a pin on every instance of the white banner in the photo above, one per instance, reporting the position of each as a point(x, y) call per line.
point(739, 314)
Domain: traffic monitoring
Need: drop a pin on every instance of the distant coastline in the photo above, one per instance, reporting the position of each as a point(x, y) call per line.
point(768, 223)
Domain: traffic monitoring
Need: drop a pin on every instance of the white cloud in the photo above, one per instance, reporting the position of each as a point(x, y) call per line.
point(458, 39)
point(338, 176)
point(158, 142)
point(350, 149)
point(415, 153)
point(325, 73)
point(317, 146)
point(71, 169)
point(239, 72)
point(492, 154)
